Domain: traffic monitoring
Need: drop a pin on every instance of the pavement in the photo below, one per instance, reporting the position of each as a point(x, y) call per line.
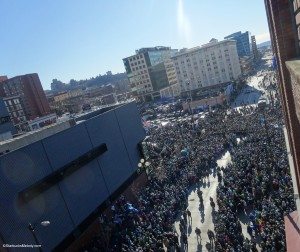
point(203, 218)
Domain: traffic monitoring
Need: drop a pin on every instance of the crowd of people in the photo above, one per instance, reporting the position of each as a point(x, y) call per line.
point(256, 187)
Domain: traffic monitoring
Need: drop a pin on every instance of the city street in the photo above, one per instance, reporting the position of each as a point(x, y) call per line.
point(202, 219)
point(254, 90)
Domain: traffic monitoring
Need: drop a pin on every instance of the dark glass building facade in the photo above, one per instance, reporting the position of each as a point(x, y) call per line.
point(242, 43)
point(67, 177)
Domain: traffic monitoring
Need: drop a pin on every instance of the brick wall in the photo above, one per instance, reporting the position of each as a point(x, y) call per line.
point(284, 38)
point(294, 69)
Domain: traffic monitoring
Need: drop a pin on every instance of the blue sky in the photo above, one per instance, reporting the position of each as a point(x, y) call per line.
point(78, 39)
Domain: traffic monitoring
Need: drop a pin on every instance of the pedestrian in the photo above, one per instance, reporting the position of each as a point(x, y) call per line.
point(198, 233)
point(185, 217)
point(185, 241)
point(189, 214)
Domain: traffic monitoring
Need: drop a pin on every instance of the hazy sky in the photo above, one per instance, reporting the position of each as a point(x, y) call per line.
point(78, 39)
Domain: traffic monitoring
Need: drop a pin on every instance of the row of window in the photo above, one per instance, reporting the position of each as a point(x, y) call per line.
point(11, 102)
point(14, 107)
point(201, 54)
point(184, 72)
point(137, 63)
point(201, 62)
point(211, 75)
point(138, 67)
point(12, 88)
point(18, 115)
point(136, 83)
point(136, 57)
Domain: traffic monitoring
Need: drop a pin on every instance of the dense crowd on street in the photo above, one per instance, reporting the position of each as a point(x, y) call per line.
point(255, 188)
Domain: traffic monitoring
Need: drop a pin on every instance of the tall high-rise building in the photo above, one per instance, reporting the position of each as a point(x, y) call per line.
point(207, 65)
point(283, 19)
point(149, 70)
point(29, 88)
point(254, 48)
point(242, 42)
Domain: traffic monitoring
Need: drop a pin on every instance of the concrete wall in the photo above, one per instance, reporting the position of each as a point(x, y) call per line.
point(70, 201)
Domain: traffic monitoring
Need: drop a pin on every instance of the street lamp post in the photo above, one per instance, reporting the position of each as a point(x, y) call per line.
point(32, 228)
point(144, 165)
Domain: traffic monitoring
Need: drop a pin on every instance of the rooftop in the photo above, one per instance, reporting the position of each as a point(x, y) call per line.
point(34, 136)
point(213, 43)
point(151, 49)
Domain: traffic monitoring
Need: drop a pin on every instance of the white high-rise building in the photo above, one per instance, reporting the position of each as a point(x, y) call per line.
point(207, 65)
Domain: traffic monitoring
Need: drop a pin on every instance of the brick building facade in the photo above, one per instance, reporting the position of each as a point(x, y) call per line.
point(29, 88)
point(284, 20)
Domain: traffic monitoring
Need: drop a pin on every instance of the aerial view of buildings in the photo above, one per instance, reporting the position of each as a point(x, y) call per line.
point(189, 147)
